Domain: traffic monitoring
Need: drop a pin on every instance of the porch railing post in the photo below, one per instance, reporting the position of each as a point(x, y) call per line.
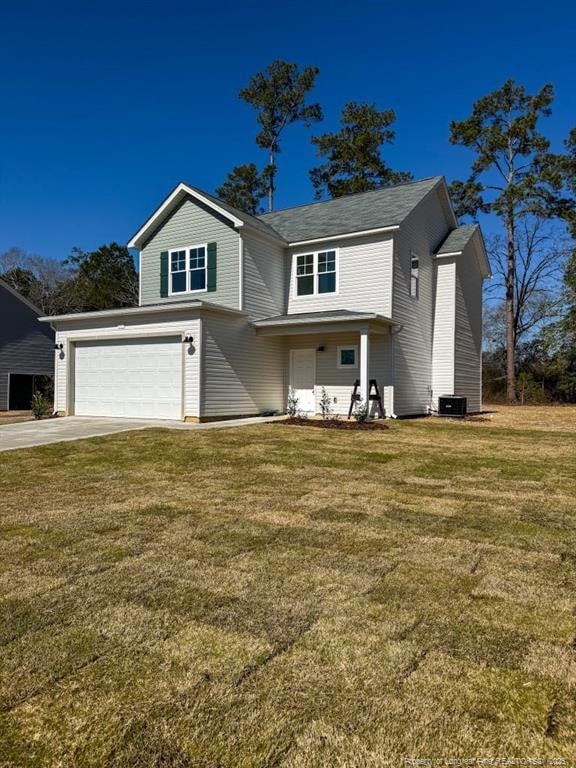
point(364, 364)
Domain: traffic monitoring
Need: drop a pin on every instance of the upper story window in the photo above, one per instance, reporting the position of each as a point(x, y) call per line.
point(305, 274)
point(414, 276)
point(316, 273)
point(188, 269)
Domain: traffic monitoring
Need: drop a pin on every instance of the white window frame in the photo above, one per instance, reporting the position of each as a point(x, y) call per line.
point(187, 249)
point(339, 363)
point(315, 273)
point(416, 293)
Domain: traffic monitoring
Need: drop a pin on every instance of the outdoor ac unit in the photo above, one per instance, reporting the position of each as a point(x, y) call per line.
point(452, 405)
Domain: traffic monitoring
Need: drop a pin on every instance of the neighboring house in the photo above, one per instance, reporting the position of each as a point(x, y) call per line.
point(235, 310)
point(26, 350)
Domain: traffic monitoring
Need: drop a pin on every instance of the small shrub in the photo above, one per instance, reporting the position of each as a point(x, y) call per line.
point(292, 403)
point(325, 404)
point(39, 405)
point(528, 390)
point(361, 411)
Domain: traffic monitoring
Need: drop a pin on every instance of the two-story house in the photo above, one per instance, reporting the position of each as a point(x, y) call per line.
point(26, 351)
point(237, 310)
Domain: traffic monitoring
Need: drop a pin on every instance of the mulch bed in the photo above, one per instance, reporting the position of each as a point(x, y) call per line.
point(333, 423)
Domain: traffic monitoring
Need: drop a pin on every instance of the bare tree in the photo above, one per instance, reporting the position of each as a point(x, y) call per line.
point(541, 253)
point(46, 282)
point(13, 258)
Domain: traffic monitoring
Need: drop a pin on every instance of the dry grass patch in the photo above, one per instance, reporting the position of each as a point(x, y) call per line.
point(270, 596)
point(548, 418)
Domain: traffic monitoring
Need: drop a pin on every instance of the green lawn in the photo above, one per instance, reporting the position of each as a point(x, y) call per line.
point(281, 596)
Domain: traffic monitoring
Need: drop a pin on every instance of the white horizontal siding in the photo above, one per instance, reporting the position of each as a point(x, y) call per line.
point(242, 373)
point(264, 266)
point(421, 232)
point(444, 334)
point(192, 224)
point(339, 382)
point(186, 323)
point(364, 277)
point(468, 336)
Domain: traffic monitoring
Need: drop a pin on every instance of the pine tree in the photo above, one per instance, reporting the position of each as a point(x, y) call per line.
point(279, 96)
point(353, 160)
point(514, 175)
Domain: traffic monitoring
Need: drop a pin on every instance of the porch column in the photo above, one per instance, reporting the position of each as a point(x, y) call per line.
point(364, 364)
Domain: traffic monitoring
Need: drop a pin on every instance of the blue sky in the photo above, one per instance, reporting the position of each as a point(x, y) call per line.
point(107, 105)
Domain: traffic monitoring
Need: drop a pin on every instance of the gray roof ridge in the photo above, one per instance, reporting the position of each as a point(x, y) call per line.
point(261, 216)
point(473, 225)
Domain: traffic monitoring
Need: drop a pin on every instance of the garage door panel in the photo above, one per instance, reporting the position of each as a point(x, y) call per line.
point(137, 378)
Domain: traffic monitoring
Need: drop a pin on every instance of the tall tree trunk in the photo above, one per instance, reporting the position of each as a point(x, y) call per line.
point(510, 301)
point(272, 173)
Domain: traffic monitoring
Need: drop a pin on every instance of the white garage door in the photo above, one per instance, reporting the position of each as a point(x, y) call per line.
point(136, 378)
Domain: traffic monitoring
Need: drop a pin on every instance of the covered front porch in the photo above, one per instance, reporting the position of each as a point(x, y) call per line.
point(325, 353)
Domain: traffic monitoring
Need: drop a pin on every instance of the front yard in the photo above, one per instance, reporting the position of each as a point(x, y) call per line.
point(295, 597)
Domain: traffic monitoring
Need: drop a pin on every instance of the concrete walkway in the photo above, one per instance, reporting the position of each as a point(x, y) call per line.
point(32, 433)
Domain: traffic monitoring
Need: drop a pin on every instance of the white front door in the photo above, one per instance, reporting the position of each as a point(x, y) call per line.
point(303, 378)
point(133, 378)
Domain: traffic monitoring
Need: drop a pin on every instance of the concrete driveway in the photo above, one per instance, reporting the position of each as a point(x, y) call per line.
point(33, 433)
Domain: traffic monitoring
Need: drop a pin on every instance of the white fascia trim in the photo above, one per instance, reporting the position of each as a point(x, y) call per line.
point(181, 189)
point(446, 255)
point(125, 333)
point(345, 236)
point(120, 312)
point(317, 320)
point(148, 310)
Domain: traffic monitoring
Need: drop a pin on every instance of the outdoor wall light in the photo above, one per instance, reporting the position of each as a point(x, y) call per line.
point(320, 348)
point(189, 339)
point(59, 347)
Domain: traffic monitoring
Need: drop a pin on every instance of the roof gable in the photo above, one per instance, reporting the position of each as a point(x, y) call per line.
point(459, 238)
point(180, 193)
point(23, 299)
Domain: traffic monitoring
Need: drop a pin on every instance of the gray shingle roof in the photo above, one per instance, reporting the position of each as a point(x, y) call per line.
point(247, 218)
point(386, 207)
point(457, 239)
point(329, 315)
point(353, 213)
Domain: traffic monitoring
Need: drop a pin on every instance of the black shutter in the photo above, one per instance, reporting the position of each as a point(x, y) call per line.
point(211, 283)
point(163, 274)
